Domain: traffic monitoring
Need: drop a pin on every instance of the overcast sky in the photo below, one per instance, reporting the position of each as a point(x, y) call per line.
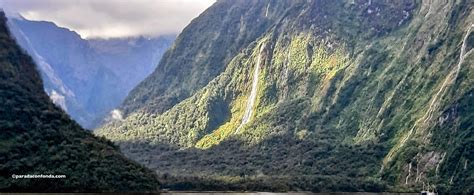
point(112, 18)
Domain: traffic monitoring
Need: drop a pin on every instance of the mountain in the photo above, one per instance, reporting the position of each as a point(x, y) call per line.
point(37, 137)
point(356, 95)
point(132, 59)
point(200, 53)
point(87, 78)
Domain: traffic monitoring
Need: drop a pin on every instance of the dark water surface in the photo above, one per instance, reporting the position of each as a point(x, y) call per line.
point(276, 193)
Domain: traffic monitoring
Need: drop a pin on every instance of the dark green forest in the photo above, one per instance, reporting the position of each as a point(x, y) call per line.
point(36, 137)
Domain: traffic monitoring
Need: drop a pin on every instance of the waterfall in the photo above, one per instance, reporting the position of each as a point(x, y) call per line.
point(253, 94)
point(409, 174)
point(266, 11)
point(449, 80)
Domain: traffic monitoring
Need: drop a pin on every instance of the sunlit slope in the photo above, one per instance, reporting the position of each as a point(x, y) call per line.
point(333, 96)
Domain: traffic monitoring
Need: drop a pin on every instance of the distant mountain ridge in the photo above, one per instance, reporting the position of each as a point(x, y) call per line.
point(82, 76)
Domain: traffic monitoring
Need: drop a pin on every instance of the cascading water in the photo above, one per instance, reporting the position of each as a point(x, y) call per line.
point(253, 94)
point(450, 79)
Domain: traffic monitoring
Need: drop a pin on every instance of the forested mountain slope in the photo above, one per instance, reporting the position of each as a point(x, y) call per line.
point(200, 53)
point(356, 95)
point(37, 137)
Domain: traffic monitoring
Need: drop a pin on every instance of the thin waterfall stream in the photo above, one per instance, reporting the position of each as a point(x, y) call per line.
point(434, 104)
point(253, 94)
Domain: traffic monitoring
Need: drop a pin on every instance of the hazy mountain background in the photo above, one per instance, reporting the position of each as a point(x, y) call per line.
point(88, 78)
point(356, 95)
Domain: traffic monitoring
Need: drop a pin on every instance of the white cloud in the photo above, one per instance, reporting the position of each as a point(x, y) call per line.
point(58, 99)
point(116, 115)
point(112, 18)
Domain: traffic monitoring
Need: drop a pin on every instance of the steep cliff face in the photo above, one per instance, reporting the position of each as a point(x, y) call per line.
point(201, 52)
point(87, 78)
point(37, 137)
point(344, 95)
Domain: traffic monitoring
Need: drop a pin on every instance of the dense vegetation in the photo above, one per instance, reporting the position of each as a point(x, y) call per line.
point(36, 137)
point(352, 96)
point(194, 59)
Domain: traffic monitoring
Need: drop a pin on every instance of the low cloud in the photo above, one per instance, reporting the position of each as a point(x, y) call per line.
point(116, 115)
point(112, 18)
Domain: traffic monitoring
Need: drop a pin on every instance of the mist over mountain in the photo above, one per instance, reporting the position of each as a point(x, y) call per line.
point(356, 95)
point(88, 78)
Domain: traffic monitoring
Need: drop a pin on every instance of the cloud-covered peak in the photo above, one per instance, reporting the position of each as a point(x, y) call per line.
point(112, 18)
